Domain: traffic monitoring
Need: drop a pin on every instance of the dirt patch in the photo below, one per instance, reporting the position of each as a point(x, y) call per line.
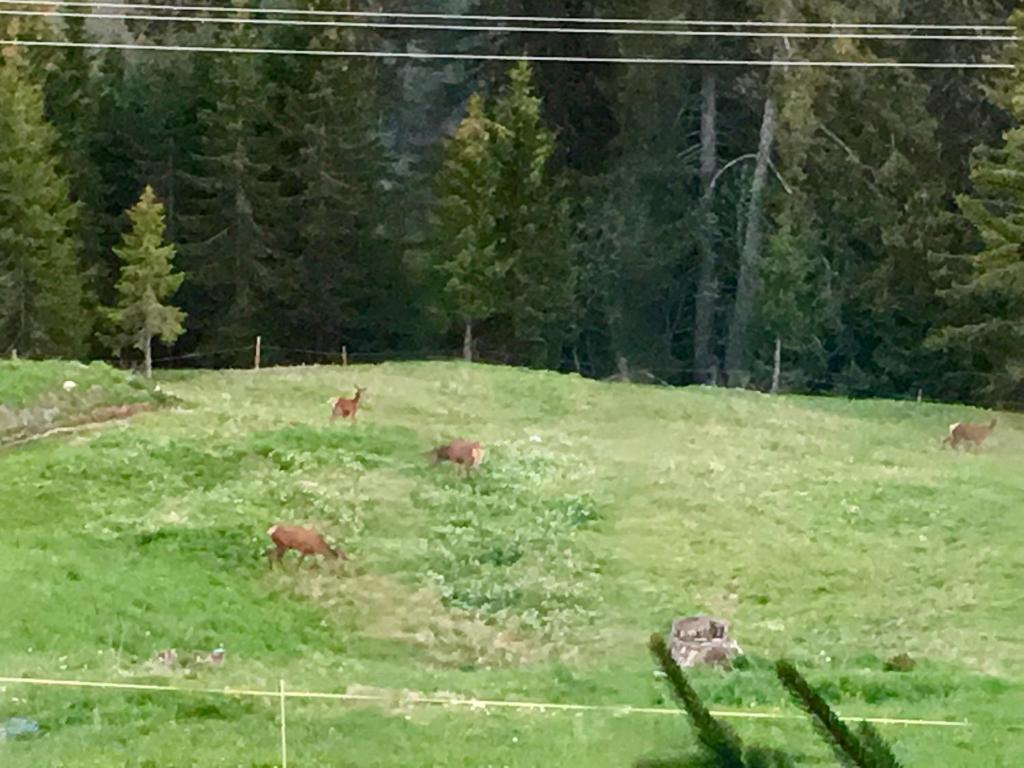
point(80, 422)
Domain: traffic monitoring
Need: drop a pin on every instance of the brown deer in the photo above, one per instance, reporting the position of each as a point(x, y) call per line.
point(346, 407)
point(305, 541)
point(460, 452)
point(968, 433)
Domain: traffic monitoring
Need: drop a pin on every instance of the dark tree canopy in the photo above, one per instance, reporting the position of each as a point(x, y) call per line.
point(826, 230)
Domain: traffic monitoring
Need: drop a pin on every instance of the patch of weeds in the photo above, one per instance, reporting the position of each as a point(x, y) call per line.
point(232, 547)
point(221, 709)
point(507, 544)
point(302, 448)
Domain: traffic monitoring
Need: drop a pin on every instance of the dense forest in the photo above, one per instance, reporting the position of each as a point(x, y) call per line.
point(857, 229)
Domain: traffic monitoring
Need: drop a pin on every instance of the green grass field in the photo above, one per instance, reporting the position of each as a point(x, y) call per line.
point(832, 532)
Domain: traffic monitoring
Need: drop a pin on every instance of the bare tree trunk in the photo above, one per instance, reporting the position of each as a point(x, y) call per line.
point(467, 342)
point(750, 257)
point(777, 368)
point(147, 366)
point(707, 283)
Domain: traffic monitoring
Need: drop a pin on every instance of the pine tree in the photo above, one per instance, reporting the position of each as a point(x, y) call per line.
point(72, 106)
point(338, 269)
point(467, 235)
point(41, 287)
point(146, 282)
point(112, 151)
point(231, 201)
point(988, 301)
point(532, 225)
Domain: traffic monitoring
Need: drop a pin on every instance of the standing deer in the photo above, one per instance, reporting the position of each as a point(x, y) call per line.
point(968, 433)
point(460, 452)
point(346, 407)
point(305, 541)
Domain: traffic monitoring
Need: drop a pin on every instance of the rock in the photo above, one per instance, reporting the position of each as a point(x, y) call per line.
point(17, 726)
point(702, 640)
point(216, 656)
point(167, 658)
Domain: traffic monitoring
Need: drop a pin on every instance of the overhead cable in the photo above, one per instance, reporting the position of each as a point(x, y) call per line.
point(430, 56)
point(517, 19)
point(276, 22)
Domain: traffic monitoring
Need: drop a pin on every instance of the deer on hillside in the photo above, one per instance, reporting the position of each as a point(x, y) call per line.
point(346, 407)
point(460, 452)
point(968, 433)
point(305, 541)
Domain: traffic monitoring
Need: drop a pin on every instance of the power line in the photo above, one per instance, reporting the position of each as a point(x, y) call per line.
point(520, 19)
point(276, 22)
point(427, 56)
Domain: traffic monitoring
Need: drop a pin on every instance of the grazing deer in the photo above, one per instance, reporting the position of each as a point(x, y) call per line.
point(346, 407)
point(305, 541)
point(968, 433)
point(461, 452)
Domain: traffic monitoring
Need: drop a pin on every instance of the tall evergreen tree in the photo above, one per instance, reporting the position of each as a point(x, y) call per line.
point(227, 237)
point(41, 287)
point(340, 271)
point(111, 148)
point(467, 234)
point(532, 225)
point(987, 329)
point(146, 282)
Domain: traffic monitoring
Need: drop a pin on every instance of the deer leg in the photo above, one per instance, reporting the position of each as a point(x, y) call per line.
point(274, 554)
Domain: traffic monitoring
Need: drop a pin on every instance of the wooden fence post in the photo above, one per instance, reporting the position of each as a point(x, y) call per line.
point(256, 361)
point(344, 356)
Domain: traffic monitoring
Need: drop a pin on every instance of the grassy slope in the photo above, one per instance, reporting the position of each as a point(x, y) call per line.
point(835, 533)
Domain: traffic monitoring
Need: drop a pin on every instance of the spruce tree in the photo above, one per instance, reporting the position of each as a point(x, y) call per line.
point(986, 299)
point(146, 282)
point(229, 203)
point(469, 260)
point(41, 286)
point(336, 265)
point(532, 225)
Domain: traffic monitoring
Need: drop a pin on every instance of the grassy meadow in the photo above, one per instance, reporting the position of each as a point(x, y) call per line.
point(831, 532)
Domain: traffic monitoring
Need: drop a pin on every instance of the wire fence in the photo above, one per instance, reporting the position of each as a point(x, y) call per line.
point(962, 388)
point(406, 698)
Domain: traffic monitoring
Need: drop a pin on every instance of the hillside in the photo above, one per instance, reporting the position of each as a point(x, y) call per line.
point(836, 533)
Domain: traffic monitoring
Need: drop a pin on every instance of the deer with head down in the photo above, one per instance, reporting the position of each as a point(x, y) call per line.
point(346, 407)
point(974, 434)
point(463, 453)
point(305, 541)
